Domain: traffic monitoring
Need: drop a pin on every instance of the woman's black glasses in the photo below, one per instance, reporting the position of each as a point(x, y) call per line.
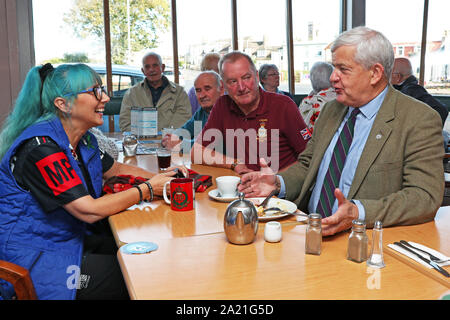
point(98, 92)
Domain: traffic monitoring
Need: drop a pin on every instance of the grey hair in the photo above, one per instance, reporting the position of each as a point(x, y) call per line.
point(232, 57)
point(210, 61)
point(371, 47)
point(320, 76)
point(212, 72)
point(152, 54)
point(264, 70)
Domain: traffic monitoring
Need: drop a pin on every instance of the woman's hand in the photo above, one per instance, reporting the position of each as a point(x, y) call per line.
point(183, 169)
point(158, 181)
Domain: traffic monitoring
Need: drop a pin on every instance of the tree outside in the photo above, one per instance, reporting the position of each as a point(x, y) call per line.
point(135, 24)
point(69, 57)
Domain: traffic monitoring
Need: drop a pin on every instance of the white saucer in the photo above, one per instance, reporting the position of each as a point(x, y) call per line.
point(214, 194)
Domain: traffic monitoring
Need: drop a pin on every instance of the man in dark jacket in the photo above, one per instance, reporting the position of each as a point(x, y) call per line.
point(403, 80)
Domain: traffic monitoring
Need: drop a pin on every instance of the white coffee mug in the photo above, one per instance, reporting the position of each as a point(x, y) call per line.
point(272, 231)
point(227, 185)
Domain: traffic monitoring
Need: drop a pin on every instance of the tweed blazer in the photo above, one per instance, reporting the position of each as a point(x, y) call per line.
point(399, 178)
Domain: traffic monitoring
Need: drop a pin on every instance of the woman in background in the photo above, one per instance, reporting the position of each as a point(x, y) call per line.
point(321, 93)
point(269, 78)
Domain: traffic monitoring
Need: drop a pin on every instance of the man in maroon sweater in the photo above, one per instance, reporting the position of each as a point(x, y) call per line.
point(249, 123)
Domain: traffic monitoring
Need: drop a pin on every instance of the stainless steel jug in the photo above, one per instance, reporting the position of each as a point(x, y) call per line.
point(241, 221)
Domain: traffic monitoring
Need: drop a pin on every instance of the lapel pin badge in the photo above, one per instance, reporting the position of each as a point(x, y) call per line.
point(378, 136)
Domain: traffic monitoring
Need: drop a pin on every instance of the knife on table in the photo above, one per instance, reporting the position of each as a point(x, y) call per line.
point(431, 263)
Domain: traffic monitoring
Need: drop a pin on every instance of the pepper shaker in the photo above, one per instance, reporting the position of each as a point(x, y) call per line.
point(313, 241)
point(357, 242)
point(376, 257)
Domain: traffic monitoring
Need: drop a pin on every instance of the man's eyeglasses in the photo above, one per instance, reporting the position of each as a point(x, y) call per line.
point(273, 75)
point(98, 92)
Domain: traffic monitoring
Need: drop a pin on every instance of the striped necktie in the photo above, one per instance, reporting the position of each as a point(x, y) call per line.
point(333, 176)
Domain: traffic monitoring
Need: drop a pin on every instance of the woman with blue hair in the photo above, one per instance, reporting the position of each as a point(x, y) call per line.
point(51, 175)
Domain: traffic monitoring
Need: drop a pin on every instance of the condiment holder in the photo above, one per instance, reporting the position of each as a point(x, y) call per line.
point(272, 231)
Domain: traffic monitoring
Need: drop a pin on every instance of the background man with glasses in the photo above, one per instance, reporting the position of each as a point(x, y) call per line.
point(208, 87)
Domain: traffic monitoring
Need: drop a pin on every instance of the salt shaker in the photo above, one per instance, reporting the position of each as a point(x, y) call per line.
point(313, 241)
point(376, 257)
point(357, 242)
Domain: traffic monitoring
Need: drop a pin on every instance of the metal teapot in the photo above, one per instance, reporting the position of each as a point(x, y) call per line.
point(241, 221)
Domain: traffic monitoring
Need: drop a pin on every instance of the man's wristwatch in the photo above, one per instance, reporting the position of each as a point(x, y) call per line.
point(234, 164)
point(277, 185)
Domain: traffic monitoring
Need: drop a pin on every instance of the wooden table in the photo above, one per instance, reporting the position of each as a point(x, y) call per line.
point(158, 221)
point(195, 260)
point(209, 267)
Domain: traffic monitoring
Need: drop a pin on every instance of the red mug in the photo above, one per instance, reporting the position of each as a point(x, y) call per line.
point(182, 194)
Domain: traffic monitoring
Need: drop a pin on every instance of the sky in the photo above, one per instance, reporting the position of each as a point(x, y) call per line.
point(210, 19)
point(52, 37)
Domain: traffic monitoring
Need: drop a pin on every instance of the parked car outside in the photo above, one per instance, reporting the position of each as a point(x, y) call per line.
point(123, 78)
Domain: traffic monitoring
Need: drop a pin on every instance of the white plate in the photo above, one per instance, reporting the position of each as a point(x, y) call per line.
point(279, 203)
point(214, 195)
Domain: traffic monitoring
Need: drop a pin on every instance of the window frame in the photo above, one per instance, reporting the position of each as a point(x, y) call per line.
point(352, 14)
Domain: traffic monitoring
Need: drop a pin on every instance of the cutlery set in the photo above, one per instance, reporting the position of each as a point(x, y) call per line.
point(432, 261)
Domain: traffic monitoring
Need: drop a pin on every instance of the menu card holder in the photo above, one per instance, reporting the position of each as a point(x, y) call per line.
point(144, 122)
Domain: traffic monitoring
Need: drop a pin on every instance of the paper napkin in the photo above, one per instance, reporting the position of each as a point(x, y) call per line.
point(412, 256)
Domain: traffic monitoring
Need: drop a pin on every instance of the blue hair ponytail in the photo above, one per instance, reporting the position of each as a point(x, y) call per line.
point(35, 100)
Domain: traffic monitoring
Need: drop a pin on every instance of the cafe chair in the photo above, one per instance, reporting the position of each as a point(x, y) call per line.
point(20, 278)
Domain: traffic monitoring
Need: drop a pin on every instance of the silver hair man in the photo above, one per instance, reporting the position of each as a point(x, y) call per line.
point(371, 47)
point(152, 54)
point(215, 74)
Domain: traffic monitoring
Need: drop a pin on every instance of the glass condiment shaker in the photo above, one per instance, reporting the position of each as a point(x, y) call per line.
point(357, 242)
point(313, 241)
point(129, 144)
point(376, 257)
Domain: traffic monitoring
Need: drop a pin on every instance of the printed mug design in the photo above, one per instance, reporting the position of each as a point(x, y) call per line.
point(181, 194)
point(180, 198)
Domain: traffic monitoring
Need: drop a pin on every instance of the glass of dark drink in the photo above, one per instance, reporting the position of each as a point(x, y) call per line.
point(164, 158)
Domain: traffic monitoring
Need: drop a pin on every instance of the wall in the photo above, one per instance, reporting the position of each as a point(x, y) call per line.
point(16, 49)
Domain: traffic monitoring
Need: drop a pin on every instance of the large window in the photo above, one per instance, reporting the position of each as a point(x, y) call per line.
point(315, 27)
point(203, 26)
point(262, 34)
point(437, 62)
point(401, 23)
point(54, 39)
point(137, 26)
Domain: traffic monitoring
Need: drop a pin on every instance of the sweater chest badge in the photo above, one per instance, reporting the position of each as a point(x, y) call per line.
point(262, 131)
